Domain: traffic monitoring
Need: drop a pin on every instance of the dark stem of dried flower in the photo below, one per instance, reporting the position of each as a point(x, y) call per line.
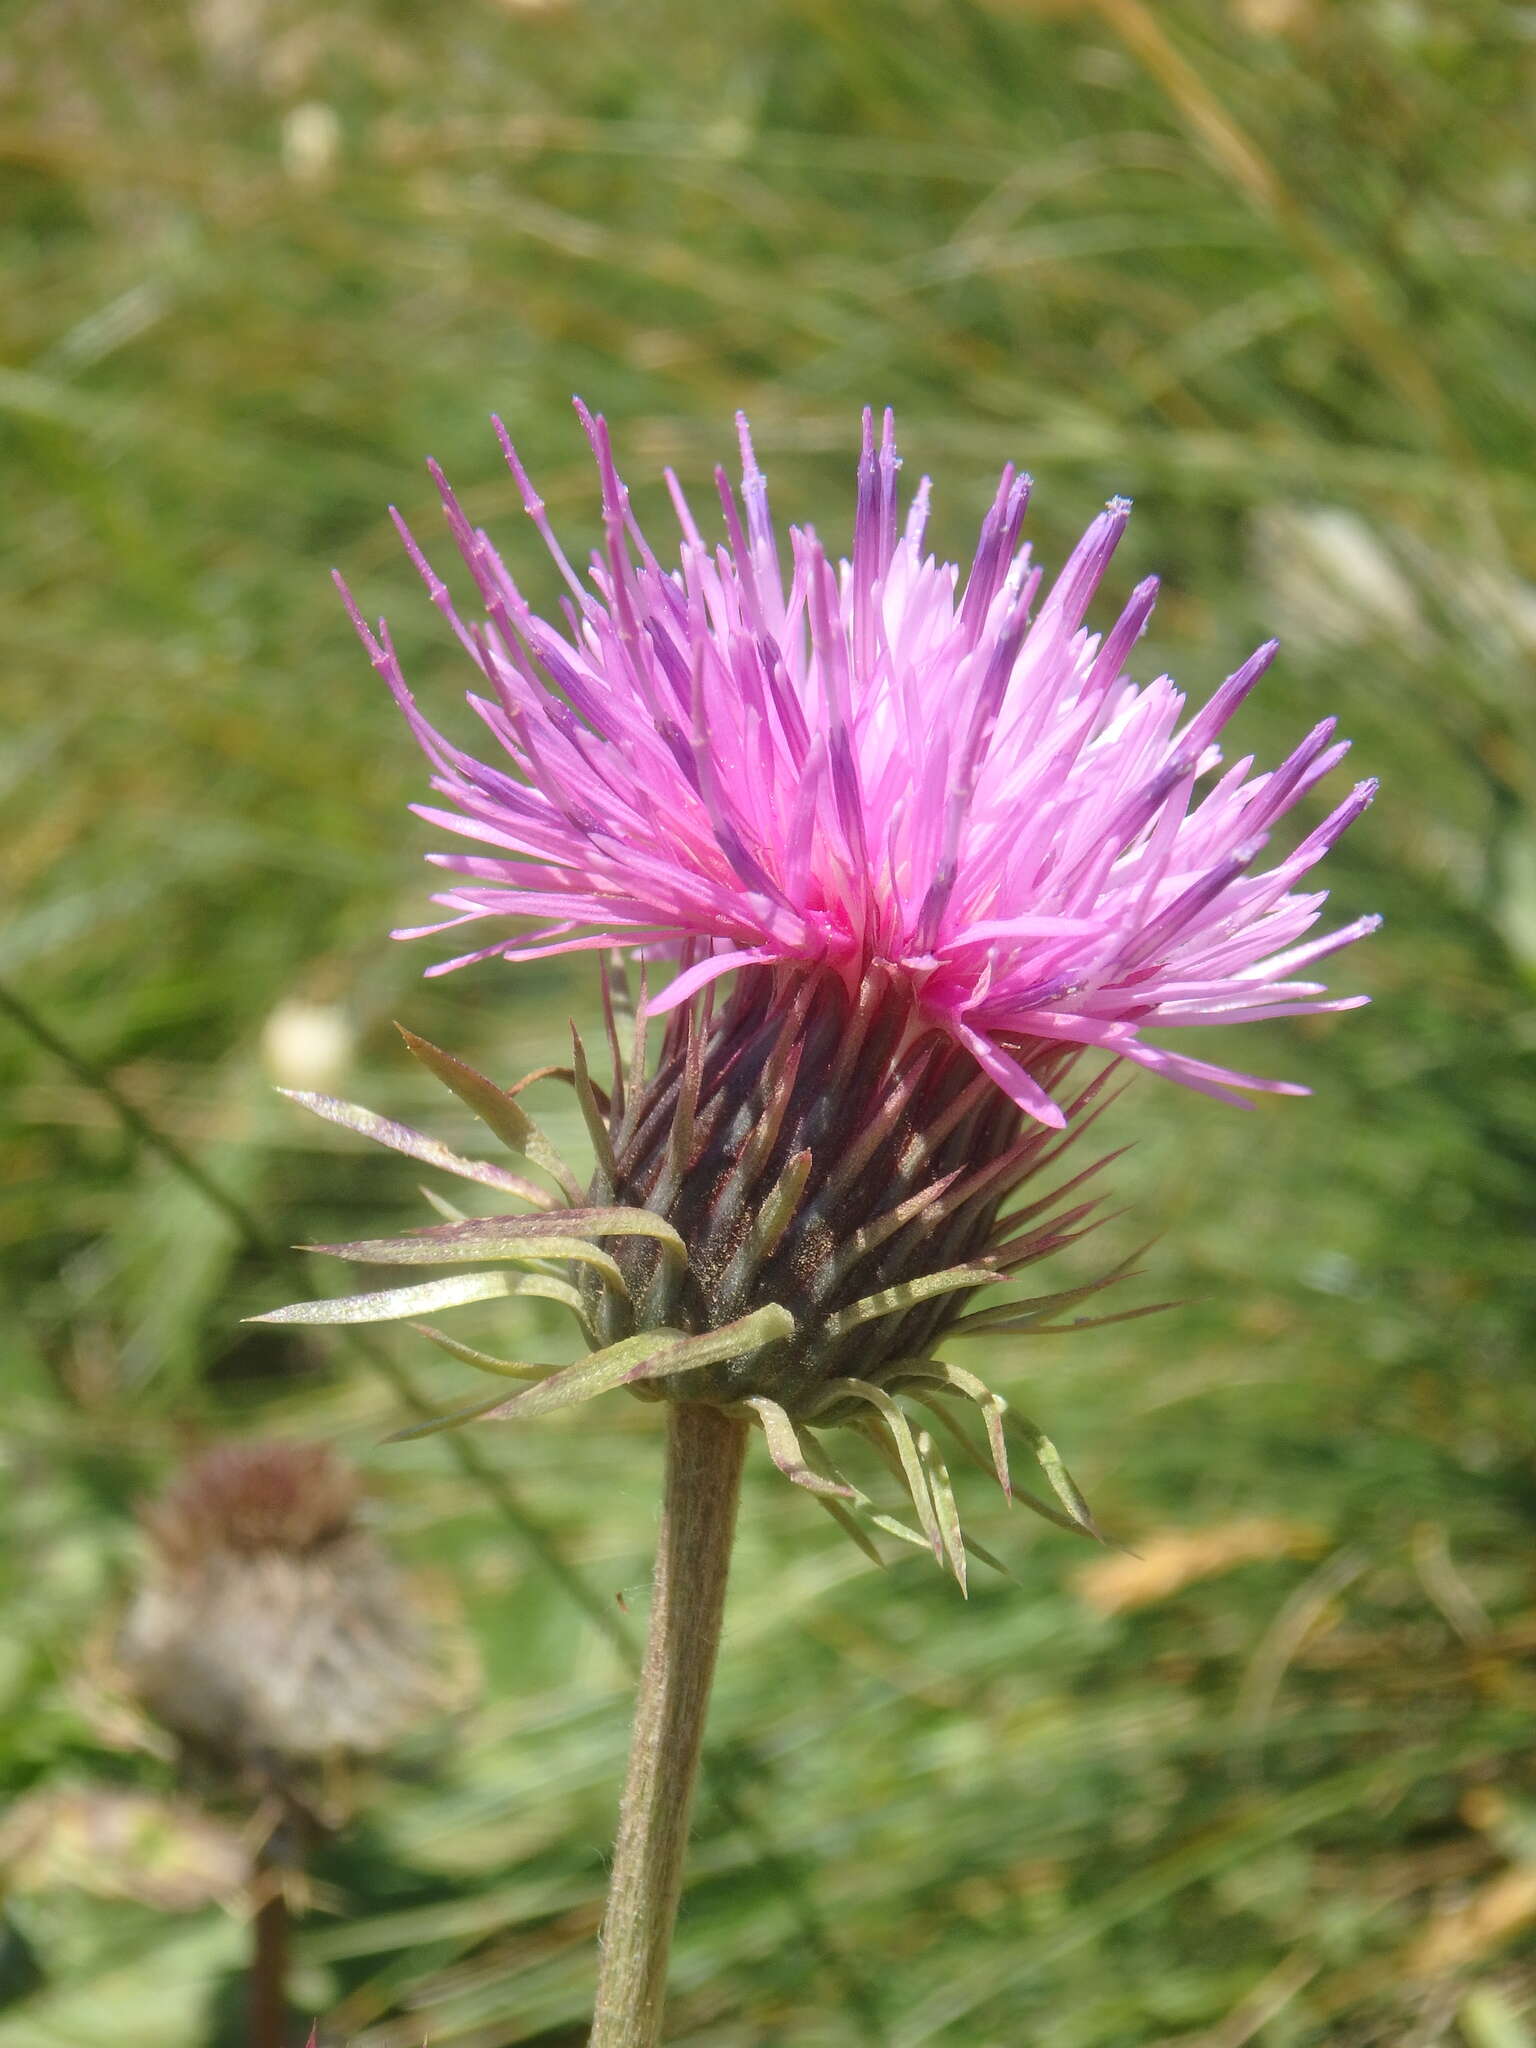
point(267, 1984)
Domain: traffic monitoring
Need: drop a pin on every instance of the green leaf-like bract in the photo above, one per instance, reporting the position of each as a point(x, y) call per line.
point(646, 1357)
point(497, 1237)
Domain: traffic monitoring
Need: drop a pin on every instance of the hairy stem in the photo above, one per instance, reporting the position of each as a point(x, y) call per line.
point(704, 1458)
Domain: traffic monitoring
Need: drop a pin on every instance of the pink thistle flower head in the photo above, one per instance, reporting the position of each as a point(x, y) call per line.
point(761, 756)
point(942, 845)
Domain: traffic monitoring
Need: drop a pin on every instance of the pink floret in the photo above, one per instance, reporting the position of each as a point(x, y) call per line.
point(872, 761)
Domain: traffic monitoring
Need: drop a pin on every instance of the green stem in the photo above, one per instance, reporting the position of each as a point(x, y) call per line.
point(698, 1518)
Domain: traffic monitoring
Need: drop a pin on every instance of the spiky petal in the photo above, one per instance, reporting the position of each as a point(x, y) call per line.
point(765, 758)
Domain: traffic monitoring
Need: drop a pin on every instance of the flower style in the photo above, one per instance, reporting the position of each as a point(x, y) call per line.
point(943, 847)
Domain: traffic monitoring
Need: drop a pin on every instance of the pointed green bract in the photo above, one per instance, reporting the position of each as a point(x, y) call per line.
point(595, 1374)
point(1063, 1485)
point(495, 1237)
point(504, 1368)
point(943, 1496)
point(944, 1416)
point(778, 1209)
point(870, 1236)
point(900, 1446)
point(853, 1509)
point(770, 1324)
point(451, 1418)
point(851, 1526)
point(992, 1405)
point(893, 1300)
point(395, 1304)
point(591, 1111)
point(1016, 1316)
point(1033, 1329)
point(514, 1250)
point(787, 1451)
point(648, 1356)
point(497, 1110)
point(540, 1286)
point(862, 1509)
point(635, 1359)
point(416, 1145)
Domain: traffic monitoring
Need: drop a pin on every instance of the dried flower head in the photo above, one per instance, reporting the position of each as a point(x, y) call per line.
point(942, 844)
point(270, 1633)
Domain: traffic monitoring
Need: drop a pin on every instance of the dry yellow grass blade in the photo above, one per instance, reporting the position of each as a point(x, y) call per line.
point(1465, 1934)
point(1222, 137)
point(1172, 1559)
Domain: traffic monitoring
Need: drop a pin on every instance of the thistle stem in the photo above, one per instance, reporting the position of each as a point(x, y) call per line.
point(705, 1450)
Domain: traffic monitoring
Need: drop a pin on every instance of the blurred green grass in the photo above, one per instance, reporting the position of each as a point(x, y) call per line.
point(1268, 267)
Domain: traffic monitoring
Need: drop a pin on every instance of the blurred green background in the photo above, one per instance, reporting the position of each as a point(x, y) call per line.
point(1267, 265)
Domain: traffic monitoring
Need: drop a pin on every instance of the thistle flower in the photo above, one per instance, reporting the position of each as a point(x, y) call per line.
point(270, 1632)
point(910, 849)
point(943, 846)
point(874, 767)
